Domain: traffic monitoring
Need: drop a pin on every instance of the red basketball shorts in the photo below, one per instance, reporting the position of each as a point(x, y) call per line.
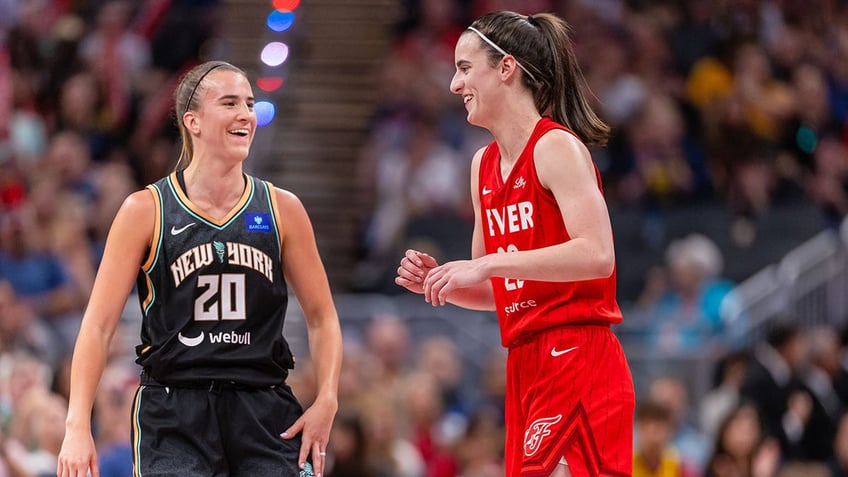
point(569, 394)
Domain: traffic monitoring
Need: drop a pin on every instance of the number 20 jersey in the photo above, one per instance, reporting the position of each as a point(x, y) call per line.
point(212, 292)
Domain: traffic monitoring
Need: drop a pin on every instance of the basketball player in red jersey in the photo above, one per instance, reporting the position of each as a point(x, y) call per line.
point(542, 250)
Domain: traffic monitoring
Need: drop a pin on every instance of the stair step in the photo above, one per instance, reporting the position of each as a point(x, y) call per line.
point(324, 110)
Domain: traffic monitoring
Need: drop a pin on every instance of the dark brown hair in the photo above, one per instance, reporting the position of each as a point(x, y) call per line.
point(541, 43)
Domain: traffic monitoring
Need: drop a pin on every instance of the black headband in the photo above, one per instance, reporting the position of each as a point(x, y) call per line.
point(191, 96)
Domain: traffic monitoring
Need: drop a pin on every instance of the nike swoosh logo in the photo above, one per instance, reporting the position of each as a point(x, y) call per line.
point(555, 352)
point(486, 190)
point(191, 342)
point(177, 231)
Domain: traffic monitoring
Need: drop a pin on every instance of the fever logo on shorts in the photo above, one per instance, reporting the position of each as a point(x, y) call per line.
point(538, 430)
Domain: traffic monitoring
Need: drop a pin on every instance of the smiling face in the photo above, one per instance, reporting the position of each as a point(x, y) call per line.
point(475, 78)
point(225, 122)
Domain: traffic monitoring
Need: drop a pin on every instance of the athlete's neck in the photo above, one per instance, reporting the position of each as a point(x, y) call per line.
point(214, 191)
point(512, 137)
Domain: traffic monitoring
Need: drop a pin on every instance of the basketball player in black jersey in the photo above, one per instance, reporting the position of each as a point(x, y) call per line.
point(211, 249)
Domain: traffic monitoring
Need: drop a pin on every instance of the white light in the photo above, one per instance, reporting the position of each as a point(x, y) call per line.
point(275, 53)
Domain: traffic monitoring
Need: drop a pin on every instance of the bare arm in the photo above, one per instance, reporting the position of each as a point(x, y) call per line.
point(305, 273)
point(126, 244)
point(565, 167)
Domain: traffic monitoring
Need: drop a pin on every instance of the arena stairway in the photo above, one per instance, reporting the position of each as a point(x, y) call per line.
point(324, 108)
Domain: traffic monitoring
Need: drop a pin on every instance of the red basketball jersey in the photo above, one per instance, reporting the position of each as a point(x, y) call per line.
point(518, 213)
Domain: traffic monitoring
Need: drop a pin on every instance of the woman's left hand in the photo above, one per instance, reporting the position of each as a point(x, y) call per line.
point(315, 426)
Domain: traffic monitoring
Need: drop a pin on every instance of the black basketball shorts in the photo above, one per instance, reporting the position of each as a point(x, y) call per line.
point(215, 432)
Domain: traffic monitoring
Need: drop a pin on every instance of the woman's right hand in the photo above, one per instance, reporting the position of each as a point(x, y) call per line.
point(413, 269)
point(77, 456)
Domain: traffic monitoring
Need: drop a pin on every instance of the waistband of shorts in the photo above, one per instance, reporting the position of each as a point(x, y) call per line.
point(210, 385)
point(528, 337)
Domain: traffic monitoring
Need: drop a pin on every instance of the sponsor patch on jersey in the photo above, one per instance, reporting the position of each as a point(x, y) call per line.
point(257, 222)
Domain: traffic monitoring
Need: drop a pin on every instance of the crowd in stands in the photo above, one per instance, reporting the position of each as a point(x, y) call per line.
point(736, 105)
point(85, 97)
point(739, 104)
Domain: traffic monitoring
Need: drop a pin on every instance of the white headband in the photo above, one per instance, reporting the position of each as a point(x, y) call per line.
point(502, 51)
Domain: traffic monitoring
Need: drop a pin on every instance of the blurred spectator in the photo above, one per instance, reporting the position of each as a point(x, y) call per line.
point(68, 159)
point(493, 386)
point(433, 31)
point(113, 408)
point(694, 36)
point(741, 449)
point(360, 372)
point(39, 419)
point(767, 102)
point(23, 373)
point(827, 183)
point(480, 450)
point(772, 383)
point(687, 314)
point(439, 357)
point(651, 57)
point(654, 456)
point(63, 62)
point(80, 109)
point(812, 120)
point(724, 396)
point(389, 451)
point(389, 340)
point(819, 378)
point(22, 331)
point(347, 453)
point(117, 56)
point(690, 442)
point(621, 92)
point(27, 127)
point(382, 399)
point(661, 173)
point(179, 31)
point(34, 271)
point(422, 177)
point(69, 240)
point(431, 430)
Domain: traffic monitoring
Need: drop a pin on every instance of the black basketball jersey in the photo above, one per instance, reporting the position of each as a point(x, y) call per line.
point(212, 292)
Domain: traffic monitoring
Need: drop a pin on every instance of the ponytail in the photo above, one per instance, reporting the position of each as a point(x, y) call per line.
point(568, 88)
point(541, 44)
